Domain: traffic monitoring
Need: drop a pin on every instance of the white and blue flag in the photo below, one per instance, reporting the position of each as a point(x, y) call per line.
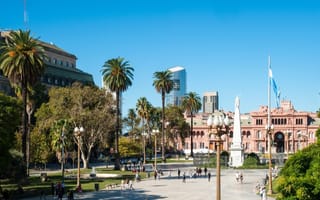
point(275, 88)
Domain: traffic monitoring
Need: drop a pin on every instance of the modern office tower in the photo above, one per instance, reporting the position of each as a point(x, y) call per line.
point(60, 68)
point(210, 102)
point(179, 86)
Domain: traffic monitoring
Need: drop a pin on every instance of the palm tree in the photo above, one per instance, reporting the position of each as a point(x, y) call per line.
point(21, 61)
point(191, 103)
point(117, 76)
point(144, 109)
point(132, 122)
point(164, 84)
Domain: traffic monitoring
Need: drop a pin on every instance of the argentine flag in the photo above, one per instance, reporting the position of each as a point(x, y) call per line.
point(275, 88)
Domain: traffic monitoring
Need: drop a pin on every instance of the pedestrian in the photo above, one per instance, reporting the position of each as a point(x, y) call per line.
point(131, 185)
point(205, 171)
point(241, 177)
point(70, 195)
point(52, 189)
point(263, 193)
point(155, 174)
point(179, 173)
point(237, 176)
point(209, 176)
point(184, 177)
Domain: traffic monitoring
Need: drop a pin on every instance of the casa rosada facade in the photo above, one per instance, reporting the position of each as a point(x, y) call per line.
point(292, 131)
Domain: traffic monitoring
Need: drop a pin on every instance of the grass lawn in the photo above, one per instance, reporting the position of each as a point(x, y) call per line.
point(33, 186)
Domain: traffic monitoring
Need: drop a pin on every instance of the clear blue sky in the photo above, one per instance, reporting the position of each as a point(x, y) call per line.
point(224, 45)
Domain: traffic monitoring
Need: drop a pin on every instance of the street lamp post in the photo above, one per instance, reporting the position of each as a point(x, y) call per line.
point(155, 132)
point(219, 124)
point(77, 133)
point(144, 134)
point(269, 133)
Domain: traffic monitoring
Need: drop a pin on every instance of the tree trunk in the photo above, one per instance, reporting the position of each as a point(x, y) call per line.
point(85, 160)
point(117, 155)
point(24, 121)
point(162, 128)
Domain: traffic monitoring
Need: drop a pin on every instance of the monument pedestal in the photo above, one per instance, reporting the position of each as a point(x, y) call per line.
point(236, 156)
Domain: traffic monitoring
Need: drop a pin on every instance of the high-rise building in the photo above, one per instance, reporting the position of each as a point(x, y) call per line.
point(179, 86)
point(210, 102)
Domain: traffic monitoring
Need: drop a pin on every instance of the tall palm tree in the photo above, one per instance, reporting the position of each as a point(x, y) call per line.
point(117, 76)
point(144, 109)
point(164, 84)
point(21, 61)
point(191, 103)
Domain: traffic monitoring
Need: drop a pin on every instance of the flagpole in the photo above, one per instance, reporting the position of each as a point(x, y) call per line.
point(269, 127)
point(269, 90)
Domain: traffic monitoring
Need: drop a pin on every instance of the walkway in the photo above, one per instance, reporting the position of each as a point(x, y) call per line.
point(170, 187)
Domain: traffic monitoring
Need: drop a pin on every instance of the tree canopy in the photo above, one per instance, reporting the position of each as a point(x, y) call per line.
point(79, 105)
point(300, 177)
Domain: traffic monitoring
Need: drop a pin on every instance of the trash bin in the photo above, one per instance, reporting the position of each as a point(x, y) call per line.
point(43, 177)
point(96, 186)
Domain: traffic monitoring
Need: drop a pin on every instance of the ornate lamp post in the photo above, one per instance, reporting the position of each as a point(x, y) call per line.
point(269, 133)
point(77, 134)
point(219, 125)
point(155, 132)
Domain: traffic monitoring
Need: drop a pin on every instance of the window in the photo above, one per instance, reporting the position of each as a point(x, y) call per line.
point(299, 121)
point(259, 121)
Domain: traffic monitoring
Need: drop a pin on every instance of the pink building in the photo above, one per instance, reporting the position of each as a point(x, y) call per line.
point(293, 130)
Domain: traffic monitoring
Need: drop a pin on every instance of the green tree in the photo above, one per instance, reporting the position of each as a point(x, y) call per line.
point(177, 127)
point(191, 104)
point(132, 122)
point(10, 110)
point(144, 109)
point(117, 76)
point(163, 84)
point(128, 148)
point(79, 105)
point(21, 61)
point(299, 179)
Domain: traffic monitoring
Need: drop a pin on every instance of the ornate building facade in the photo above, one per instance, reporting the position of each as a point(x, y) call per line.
point(292, 131)
point(60, 68)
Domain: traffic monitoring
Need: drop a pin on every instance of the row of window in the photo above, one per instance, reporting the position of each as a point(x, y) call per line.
point(201, 145)
point(56, 81)
point(60, 62)
point(279, 121)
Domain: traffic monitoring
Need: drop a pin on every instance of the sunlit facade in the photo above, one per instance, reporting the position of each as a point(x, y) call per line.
point(293, 130)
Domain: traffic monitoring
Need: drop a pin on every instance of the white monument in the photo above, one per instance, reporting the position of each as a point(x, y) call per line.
point(236, 155)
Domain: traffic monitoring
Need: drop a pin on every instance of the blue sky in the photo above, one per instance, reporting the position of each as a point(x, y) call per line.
point(223, 45)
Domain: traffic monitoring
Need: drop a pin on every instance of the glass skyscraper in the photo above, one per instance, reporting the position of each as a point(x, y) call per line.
point(179, 86)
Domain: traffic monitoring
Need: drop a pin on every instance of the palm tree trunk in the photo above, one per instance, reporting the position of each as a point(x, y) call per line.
point(24, 121)
point(162, 128)
point(117, 155)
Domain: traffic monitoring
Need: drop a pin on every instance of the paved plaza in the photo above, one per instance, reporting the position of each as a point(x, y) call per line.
point(171, 187)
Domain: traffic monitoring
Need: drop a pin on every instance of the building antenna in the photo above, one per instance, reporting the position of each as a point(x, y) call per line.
point(25, 16)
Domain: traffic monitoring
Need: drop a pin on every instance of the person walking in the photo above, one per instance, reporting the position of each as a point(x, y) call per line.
point(179, 173)
point(184, 177)
point(209, 176)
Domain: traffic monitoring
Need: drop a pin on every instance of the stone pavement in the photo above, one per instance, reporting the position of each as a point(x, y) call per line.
point(170, 187)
